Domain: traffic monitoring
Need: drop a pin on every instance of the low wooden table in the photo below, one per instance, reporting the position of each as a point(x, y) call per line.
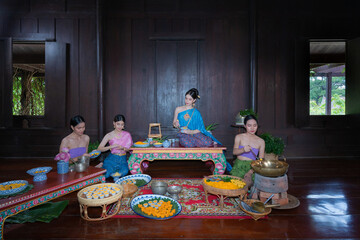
point(55, 186)
point(176, 152)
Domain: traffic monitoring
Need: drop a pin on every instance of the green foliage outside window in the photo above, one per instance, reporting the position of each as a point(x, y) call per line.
point(318, 95)
point(32, 102)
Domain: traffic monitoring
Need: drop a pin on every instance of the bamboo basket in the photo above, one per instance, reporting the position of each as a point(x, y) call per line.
point(254, 215)
point(224, 193)
point(129, 190)
point(110, 205)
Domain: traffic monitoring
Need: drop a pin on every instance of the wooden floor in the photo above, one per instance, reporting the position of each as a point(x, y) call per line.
point(328, 190)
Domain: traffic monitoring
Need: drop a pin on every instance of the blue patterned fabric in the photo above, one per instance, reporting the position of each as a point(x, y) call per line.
point(196, 122)
point(115, 163)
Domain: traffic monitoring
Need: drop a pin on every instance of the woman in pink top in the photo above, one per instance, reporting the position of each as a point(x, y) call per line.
point(119, 142)
point(247, 147)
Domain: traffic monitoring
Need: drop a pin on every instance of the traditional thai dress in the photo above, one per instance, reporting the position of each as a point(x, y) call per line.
point(192, 119)
point(241, 167)
point(77, 152)
point(116, 161)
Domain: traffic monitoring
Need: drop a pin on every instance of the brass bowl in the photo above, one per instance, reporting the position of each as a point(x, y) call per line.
point(270, 168)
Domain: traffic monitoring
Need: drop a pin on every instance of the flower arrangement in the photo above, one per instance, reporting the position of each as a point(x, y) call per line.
point(63, 156)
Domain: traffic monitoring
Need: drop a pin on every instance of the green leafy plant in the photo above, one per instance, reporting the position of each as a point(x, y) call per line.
point(211, 127)
point(93, 146)
point(273, 144)
point(246, 112)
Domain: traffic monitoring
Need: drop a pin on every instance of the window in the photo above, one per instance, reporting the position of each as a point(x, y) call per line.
point(327, 78)
point(28, 79)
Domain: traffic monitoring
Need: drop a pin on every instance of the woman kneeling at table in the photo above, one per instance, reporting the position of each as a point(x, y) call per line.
point(189, 120)
point(76, 143)
point(119, 142)
point(247, 146)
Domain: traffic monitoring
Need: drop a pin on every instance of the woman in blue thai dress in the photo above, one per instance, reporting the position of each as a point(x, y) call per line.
point(76, 142)
point(189, 120)
point(119, 143)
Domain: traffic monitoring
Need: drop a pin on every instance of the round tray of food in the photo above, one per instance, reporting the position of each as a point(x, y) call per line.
point(141, 144)
point(155, 206)
point(39, 173)
point(12, 187)
point(138, 179)
point(224, 185)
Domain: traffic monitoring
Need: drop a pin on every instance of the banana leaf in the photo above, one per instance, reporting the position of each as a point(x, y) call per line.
point(44, 213)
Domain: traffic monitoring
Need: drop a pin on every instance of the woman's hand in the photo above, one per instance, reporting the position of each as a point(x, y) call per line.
point(176, 124)
point(247, 148)
point(187, 131)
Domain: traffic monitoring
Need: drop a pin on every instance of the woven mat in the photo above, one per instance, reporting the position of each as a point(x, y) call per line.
point(192, 200)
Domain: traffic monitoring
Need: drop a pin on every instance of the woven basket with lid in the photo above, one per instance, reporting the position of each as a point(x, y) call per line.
point(110, 205)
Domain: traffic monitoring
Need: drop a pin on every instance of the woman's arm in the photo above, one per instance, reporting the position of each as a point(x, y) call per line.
point(262, 149)
point(176, 123)
point(104, 141)
point(236, 149)
point(64, 144)
point(188, 131)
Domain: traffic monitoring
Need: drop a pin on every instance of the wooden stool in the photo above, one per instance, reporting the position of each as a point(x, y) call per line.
point(265, 186)
point(154, 135)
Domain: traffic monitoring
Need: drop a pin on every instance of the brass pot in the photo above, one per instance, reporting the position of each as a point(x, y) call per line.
point(270, 168)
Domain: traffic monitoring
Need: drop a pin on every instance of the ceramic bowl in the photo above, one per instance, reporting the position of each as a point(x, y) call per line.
point(157, 144)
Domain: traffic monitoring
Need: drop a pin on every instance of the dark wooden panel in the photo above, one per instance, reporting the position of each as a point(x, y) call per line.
point(143, 94)
point(67, 31)
point(81, 6)
point(117, 68)
point(352, 77)
point(14, 6)
point(55, 81)
point(5, 83)
point(29, 25)
point(177, 72)
point(88, 84)
point(47, 25)
point(48, 6)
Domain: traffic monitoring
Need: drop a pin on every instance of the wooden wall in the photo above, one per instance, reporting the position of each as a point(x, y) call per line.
point(71, 74)
point(154, 51)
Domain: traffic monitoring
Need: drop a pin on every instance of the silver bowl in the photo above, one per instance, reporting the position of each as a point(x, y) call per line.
point(159, 187)
point(84, 159)
point(80, 167)
point(174, 191)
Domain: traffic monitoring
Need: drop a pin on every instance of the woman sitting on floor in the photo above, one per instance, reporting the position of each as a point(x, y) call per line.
point(247, 147)
point(76, 142)
point(119, 142)
point(189, 120)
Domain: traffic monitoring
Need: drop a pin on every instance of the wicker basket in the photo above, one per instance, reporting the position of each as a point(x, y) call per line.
point(224, 193)
point(254, 215)
point(110, 205)
point(129, 190)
